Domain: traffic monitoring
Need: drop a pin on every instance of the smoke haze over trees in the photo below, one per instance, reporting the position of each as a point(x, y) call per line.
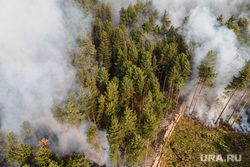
point(88, 81)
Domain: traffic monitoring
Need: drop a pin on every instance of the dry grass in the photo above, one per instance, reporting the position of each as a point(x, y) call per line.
point(190, 139)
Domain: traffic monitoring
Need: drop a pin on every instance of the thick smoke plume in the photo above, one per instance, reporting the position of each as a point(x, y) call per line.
point(203, 29)
point(35, 69)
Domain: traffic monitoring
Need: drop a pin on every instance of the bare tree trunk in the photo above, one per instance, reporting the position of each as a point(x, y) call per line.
point(237, 105)
point(147, 143)
point(155, 139)
point(140, 111)
point(225, 106)
point(240, 111)
point(132, 103)
point(118, 159)
point(160, 77)
point(77, 133)
point(172, 88)
point(93, 117)
point(2, 147)
point(164, 82)
point(98, 148)
point(178, 98)
point(125, 149)
point(169, 90)
point(237, 92)
point(88, 118)
point(198, 96)
point(194, 94)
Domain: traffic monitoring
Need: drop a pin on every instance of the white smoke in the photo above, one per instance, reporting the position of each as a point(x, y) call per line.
point(179, 9)
point(35, 70)
point(203, 29)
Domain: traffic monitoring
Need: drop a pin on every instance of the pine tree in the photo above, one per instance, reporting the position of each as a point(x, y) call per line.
point(25, 154)
point(92, 137)
point(220, 19)
point(128, 124)
point(206, 71)
point(105, 51)
point(241, 82)
point(149, 122)
point(135, 149)
point(109, 16)
point(127, 91)
point(103, 12)
point(102, 79)
point(91, 98)
point(73, 115)
point(44, 156)
point(115, 138)
point(139, 83)
point(12, 146)
point(78, 161)
point(27, 132)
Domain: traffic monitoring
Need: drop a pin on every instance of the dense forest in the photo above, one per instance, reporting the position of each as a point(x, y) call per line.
point(129, 77)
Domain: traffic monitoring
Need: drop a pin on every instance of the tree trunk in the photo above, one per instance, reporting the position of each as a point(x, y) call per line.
point(240, 111)
point(237, 92)
point(155, 140)
point(178, 98)
point(172, 88)
point(98, 148)
point(198, 96)
point(88, 118)
point(125, 149)
point(164, 82)
point(169, 90)
point(118, 159)
point(132, 103)
point(2, 147)
point(93, 117)
point(237, 105)
point(140, 111)
point(146, 153)
point(160, 77)
point(194, 94)
point(225, 106)
point(77, 132)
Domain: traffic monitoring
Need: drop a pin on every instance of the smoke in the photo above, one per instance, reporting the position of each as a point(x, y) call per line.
point(35, 69)
point(203, 29)
point(179, 9)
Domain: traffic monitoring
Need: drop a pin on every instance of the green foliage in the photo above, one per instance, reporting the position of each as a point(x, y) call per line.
point(53, 164)
point(73, 115)
point(206, 69)
point(92, 137)
point(135, 149)
point(25, 154)
point(44, 156)
point(220, 19)
point(12, 146)
point(242, 81)
point(78, 161)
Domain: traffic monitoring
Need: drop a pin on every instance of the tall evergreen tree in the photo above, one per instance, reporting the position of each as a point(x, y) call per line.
point(206, 71)
point(92, 137)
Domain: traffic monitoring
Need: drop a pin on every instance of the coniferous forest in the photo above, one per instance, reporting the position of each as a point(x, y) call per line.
point(130, 76)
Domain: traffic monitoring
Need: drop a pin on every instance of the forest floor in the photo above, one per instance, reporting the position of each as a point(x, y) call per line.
point(190, 139)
